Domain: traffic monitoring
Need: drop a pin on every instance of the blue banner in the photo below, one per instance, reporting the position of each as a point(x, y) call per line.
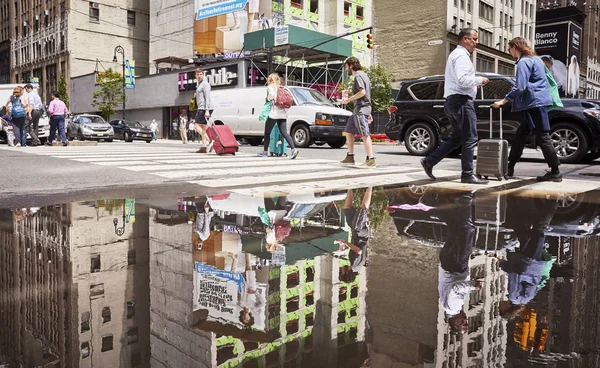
point(231, 276)
point(204, 10)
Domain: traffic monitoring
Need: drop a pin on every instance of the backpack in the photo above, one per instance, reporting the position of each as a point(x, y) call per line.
point(284, 98)
point(18, 110)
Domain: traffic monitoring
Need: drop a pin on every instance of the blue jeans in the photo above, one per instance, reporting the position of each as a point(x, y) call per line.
point(19, 131)
point(461, 113)
point(57, 121)
point(154, 135)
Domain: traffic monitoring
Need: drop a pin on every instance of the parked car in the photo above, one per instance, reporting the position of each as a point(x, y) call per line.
point(88, 126)
point(311, 119)
point(417, 118)
point(131, 130)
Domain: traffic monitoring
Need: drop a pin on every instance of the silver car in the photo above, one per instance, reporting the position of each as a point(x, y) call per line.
point(87, 126)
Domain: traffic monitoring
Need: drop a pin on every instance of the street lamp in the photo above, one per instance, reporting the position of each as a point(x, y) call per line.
point(120, 230)
point(120, 50)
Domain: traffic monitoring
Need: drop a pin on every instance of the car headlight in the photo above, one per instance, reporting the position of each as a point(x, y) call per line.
point(86, 129)
point(323, 119)
point(110, 130)
point(593, 113)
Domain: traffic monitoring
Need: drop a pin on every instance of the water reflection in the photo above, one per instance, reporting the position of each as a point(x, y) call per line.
point(372, 277)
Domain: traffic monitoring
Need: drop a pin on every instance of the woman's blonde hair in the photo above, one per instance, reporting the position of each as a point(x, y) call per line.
point(274, 78)
point(17, 91)
point(522, 46)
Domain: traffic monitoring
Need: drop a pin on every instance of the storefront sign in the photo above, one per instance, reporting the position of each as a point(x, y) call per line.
point(282, 35)
point(225, 76)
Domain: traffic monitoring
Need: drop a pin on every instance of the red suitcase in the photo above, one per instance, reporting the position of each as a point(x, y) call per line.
point(223, 138)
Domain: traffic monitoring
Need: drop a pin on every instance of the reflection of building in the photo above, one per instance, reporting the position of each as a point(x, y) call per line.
point(85, 288)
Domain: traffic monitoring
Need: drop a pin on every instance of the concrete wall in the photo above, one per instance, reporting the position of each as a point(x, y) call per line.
point(90, 42)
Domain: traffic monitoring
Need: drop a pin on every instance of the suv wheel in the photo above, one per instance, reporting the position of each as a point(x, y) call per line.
point(301, 136)
point(570, 142)
point(420, 139)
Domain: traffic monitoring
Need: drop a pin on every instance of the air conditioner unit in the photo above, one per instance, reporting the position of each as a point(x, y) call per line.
point(46, 12)
point(37, 17)
point(95, 5)
point(24, 23)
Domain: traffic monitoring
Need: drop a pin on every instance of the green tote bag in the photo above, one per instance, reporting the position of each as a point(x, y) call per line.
point(556, 102)
point(264, 113)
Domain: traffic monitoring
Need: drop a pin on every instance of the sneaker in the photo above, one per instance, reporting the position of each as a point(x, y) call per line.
point(349, 160)
point(49, 144)
point(65, 144)
point(549, 176)
point(210, 146)
point(18, 145)
point(294, 154)
point(262, 154)
point(369, 164)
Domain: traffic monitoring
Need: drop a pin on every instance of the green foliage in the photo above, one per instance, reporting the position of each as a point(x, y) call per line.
point(381, 88)
point(62, 90)
point(110, 93)
point(378, 210)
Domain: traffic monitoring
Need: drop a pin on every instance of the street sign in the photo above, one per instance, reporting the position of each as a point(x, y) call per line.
point(130, 74)
point(435, 42)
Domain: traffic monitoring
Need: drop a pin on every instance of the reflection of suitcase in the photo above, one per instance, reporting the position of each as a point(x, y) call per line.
point(492, 154)
point(224, 142)
point(277, 144)
point(490, 209)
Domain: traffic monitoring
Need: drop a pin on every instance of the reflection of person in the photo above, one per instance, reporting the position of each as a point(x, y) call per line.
point(202, 225)
point(273, 215)
point(246, 317)
point(531, 94)
point(251, 300)
point(358, 220)
point(454, 274)
point(525, 268)
point(573, 78)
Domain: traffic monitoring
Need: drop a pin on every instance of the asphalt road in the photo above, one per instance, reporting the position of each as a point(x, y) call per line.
point(30, 179)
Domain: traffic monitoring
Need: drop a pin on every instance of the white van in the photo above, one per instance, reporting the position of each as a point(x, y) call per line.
point(312, 118)
point(6, 91)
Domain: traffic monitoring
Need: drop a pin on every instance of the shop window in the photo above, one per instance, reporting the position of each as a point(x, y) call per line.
point(360, 12)
point(296, 4)
point(85, 350)
point(95, 263)
point(85, 321)
point(107, 343)
point(106, 315)
point(347, 7)
point(130, 309)
point(314, 6)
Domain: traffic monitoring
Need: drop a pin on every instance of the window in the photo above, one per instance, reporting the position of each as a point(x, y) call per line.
point(314, 6)
point(511, 25)
point(94, 12)
point(505, 21)
point(296, 4)
point(131, 257)
point(95, 263)
point(85, 349)
point(360, 12)
point(106, 314)
point(496, 89)
point(130, 18)
point(501, 19)
point(469, 5)
point(485, 37)
point(526, 6)
point(130, 309)
point(484, 63)
point(107, 343)
point(505, 68)
point(425, 91)
point(85, 321)
point(347, 7)
point(96, 290)
point(132, 336)
point(486, 11)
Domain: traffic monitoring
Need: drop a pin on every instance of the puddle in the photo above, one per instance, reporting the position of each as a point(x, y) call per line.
point(372, 277)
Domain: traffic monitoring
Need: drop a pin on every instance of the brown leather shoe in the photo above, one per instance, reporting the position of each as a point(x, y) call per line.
point(202, 150)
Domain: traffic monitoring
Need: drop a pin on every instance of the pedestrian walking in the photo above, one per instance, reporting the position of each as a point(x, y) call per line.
point(278, 115)
point(531, 95)
point(460, 89)
point(7, 127)
point(154, 129)
point(359, 121)
point(57, 110)
point(204, 110)
point(192, 130)
point(183, 128)
point(18, 107)
point(36, 108)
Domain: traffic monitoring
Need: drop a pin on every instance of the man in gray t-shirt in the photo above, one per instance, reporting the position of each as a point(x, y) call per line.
point(204, 110)
point(360, 119)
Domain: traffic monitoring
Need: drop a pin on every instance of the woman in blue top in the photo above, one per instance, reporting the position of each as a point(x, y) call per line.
point(531, 94)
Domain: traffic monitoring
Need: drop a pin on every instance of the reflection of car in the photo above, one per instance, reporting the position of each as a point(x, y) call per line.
point(312, 118)
point(417, 118)
point(86, 126)
point(131, 130)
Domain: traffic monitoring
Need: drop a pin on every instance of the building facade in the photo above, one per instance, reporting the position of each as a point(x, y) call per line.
point(425, 32)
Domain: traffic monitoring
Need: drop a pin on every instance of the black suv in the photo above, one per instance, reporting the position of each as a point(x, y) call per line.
point(417, 118)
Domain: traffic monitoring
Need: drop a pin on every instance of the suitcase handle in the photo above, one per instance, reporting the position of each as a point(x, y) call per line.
point(491, 119)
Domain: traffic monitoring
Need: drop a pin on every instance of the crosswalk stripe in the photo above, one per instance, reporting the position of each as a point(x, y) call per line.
point(196, 160)
point(190, 174)
point(256, 163)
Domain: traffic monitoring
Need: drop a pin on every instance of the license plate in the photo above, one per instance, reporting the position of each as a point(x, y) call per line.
point(146, 135)
point(100, 134)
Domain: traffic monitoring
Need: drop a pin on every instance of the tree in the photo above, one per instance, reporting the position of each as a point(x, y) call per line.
point(381, 88)
point(110, 93)
point(62, 90)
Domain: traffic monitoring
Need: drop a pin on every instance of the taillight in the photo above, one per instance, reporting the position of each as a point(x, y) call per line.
point(392, 109)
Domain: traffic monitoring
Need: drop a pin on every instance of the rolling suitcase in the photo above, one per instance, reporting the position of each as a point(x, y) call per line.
point(224, 142)
point(277, 144)
point(492, 154)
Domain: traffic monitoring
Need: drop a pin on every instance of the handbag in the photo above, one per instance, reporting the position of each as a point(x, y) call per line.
point(266, 110)
point(556, 101)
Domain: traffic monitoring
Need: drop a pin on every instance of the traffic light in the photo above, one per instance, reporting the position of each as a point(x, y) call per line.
point(369, 41)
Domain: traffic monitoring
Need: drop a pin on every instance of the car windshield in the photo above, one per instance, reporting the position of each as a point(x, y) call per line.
point(307, 96)
point(91, 119)
point(133, 124)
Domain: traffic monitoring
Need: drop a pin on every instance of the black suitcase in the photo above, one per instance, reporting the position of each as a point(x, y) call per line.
point(492, 154)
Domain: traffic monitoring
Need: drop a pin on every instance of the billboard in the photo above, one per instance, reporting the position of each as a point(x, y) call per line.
point(220, 25)
point(559, 45)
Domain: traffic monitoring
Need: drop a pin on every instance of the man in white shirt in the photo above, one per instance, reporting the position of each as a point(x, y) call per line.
point(460, 89)
point(33, 117)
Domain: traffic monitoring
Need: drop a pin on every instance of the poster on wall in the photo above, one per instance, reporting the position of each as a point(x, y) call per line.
point(230, 297)
point(220, 25)
point(559, 45)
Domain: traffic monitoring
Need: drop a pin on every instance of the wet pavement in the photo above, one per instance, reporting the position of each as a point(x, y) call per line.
point(399, 276)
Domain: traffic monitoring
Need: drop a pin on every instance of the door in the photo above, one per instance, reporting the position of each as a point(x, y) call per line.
point(116, 124)
point(426, 104)
point(494, 91)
